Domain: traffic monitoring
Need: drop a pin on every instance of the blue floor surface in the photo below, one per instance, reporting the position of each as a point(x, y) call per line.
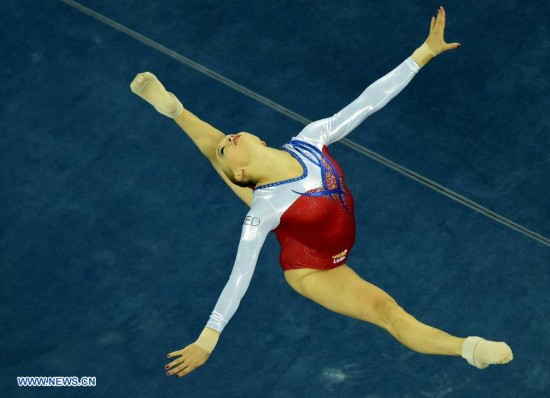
point(116, 237)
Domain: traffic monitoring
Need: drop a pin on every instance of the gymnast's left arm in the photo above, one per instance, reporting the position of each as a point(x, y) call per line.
point(378, 94)
point(260, 220)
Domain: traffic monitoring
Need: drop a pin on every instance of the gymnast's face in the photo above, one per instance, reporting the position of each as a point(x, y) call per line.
point(236, 152)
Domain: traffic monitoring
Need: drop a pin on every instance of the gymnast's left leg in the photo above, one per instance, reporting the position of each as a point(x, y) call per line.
point(343, 291)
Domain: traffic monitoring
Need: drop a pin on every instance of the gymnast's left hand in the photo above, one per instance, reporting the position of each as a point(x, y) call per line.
point(186, 360)
point(436, 39)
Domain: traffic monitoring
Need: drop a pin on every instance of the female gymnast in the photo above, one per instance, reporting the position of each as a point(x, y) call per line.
point(299, 193)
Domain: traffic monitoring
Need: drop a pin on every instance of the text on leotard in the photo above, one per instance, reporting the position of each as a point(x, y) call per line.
point(252, 221)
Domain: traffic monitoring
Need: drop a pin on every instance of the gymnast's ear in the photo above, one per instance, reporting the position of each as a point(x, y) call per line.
point(239, 175)
point(264, 144)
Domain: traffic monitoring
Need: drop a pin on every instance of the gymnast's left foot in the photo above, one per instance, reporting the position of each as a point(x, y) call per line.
point(148, 87)
point(482, 353)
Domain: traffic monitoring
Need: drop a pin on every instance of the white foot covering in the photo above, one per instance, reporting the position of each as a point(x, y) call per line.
point(482, 353)
point(148, 87)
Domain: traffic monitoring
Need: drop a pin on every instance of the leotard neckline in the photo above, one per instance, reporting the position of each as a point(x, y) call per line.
point(304, 173)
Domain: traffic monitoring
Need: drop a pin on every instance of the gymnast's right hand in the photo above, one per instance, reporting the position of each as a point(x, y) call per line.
point(187, 360)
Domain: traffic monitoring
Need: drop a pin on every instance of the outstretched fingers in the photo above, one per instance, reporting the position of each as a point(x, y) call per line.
point(186, 360)
point(181, 366)
point(439, 24)
point(436, 38)
point(441, 16)
point(177, 365)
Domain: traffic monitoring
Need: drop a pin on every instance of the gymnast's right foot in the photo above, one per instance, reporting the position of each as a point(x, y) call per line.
point(482, 353)
point(148, 87)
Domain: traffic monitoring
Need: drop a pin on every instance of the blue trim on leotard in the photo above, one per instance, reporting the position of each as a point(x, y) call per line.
point(318, 158)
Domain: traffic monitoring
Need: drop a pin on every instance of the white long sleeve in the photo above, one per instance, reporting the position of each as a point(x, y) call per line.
point(260, 220)
point(376, 96)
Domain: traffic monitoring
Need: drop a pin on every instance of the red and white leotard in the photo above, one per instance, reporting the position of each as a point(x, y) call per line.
point(312, 215)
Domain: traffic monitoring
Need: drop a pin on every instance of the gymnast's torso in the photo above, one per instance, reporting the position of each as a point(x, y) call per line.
point(312, 215)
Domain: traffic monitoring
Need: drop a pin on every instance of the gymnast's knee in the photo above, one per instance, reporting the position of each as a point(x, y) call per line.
point(389, 315)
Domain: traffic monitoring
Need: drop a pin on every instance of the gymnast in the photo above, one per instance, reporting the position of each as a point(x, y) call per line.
point(299, 193)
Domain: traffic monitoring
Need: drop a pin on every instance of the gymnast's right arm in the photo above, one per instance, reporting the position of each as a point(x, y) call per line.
point(260, 220)
point(203, 135)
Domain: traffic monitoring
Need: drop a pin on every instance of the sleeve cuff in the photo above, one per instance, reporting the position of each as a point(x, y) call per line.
point(413, 66)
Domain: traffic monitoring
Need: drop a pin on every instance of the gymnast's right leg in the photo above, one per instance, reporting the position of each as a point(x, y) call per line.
point(343, 291)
